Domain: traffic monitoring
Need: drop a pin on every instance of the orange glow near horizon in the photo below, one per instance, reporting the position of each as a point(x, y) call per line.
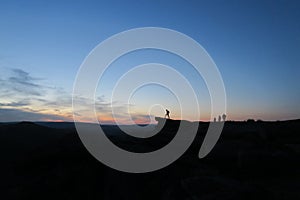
point(62, 114)
point(52, 120)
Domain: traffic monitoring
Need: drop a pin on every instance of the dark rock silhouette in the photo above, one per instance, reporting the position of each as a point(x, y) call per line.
point(257, 160)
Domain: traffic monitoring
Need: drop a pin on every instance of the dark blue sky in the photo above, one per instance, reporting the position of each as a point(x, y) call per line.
point(255, 44)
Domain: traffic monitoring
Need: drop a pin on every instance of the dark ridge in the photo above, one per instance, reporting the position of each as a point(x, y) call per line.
point(26, 127)
point(259, 160)
point(58, 125)
point(26, 122)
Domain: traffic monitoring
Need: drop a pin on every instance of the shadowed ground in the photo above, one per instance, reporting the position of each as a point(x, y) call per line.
point(251, 160)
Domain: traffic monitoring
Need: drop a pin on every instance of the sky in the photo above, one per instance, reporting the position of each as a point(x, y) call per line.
point(255, 45)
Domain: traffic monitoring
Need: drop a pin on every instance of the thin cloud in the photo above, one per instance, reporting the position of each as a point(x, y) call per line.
point(20, 83)
point(7, 115)
point(15, 104)
point(24, 97)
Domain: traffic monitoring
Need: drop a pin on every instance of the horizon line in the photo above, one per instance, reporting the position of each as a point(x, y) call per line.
point(144, 124)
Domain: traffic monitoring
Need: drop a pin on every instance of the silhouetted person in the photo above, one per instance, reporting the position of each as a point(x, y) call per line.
point(167, 115)
point(215, 119)
point(219, 118)
point(224, 117)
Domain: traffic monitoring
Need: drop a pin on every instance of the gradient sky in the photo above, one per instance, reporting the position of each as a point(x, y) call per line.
point(255, 44)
